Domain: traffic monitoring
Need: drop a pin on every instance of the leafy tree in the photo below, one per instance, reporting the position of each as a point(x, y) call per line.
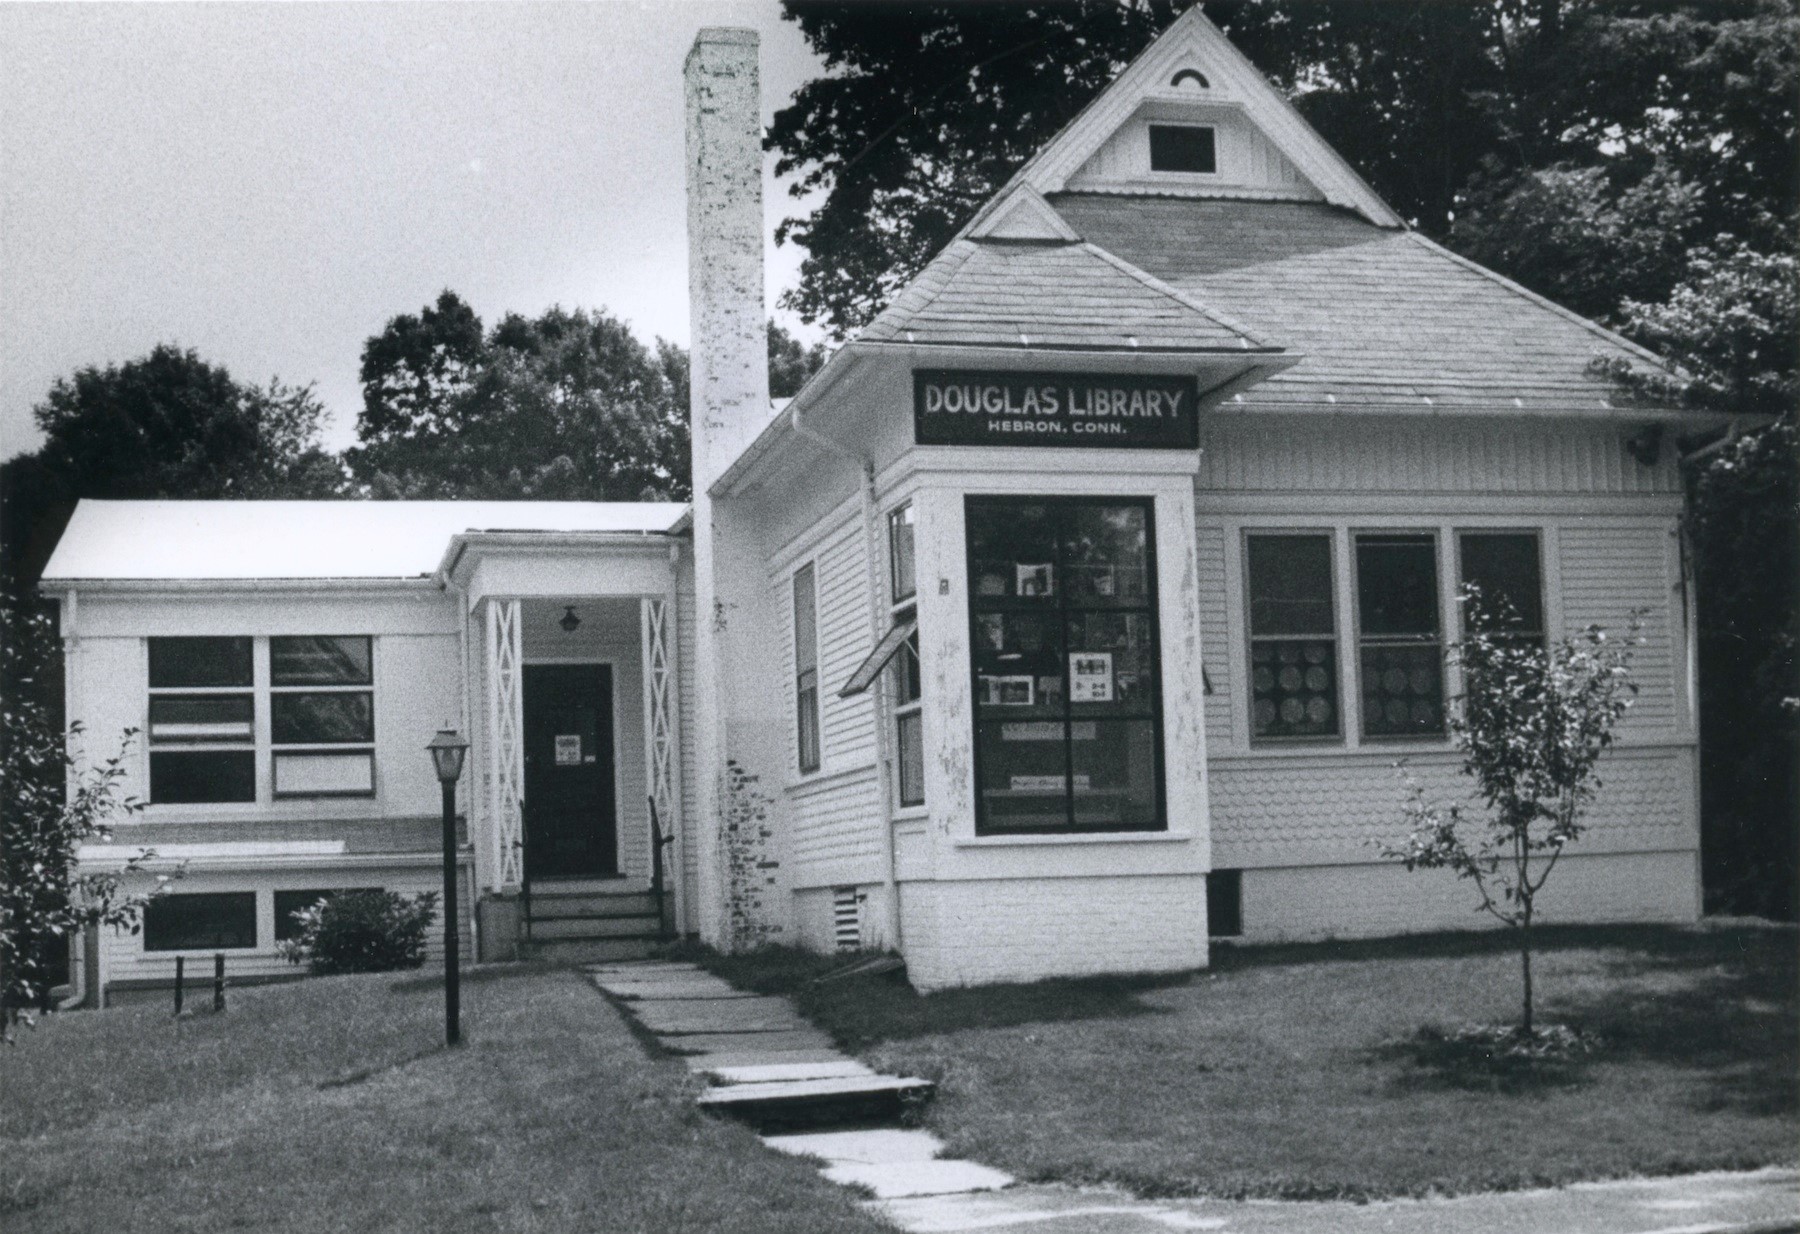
point(1532, 725)
point(41, 905)
point(790, 362)
point(566, 406)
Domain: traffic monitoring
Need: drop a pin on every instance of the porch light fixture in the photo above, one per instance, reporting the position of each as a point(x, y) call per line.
point(570, 622)
point(447, 750)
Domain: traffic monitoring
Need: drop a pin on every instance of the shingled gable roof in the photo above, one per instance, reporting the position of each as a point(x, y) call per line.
point(1060, 294)
point(1384, 319)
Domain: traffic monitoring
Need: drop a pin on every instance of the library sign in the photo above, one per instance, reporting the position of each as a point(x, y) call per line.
point(1139, 411)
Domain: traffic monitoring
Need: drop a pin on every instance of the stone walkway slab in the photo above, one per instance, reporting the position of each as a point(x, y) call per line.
point(810, 1090)
point(885, 1146)
point(1763, 1201)
point(706, 1061)
point(634, 990)
point(898, 1180)
point(719, 1043)
point(762, 1073)
point(718, 1015)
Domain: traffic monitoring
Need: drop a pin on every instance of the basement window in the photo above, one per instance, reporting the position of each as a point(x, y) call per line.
point(1183, 147)
point(209, 922)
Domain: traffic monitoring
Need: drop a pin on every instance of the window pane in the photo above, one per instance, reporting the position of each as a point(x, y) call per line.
point(1396, 586)
point(323, 774)
point(1112, 664)
point(807, 707)
point(202, 717)
point(1402, 690)
point(904, 672)
point(1018, 665)
point(1106, 556)
point(1506, 569)
point(1114, 765)
point(1012, 551)
point(200, 776)
point(806, 621)
point(1182, 147)
point(200, 922)
point(900, 546)
point(302, 719)
point(1290, 585)
point(1024, 774)
point(909, 732)
point(320, 660)
point(1293, 688)
point(199, 662)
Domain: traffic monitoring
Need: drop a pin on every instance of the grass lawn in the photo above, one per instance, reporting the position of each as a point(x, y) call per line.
point(330, 1105)
point(1296, 1071)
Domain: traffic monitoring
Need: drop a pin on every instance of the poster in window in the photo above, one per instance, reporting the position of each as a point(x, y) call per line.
point(568, 749)
point(1091, 677)
point(1006, 691)
point(1036, 579)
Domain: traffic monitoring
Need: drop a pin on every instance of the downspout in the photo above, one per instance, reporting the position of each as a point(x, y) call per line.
point(877, 627)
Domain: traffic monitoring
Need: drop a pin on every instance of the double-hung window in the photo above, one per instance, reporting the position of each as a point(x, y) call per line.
point(903, 670)
point(806, 669)
point(202, 736)
point(1401, 643)
point(1504, 567)
point(1062, 608)
point(322, 715)
point(1293, 637)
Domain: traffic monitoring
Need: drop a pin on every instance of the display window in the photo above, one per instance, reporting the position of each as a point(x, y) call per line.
point(1062, 600)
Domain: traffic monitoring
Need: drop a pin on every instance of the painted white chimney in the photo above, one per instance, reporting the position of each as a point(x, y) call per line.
point(729, 405)
point(730, 368)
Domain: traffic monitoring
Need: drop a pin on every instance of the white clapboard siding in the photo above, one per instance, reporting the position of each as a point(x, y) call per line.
point(848, 726)
point(1524, 456)
point(1610, 570)
point(1212, 560)
point(836, 829)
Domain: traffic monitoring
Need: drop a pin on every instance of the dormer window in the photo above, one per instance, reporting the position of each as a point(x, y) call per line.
point(1183, 148)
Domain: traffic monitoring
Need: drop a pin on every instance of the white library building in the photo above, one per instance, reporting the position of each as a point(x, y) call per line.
point(1074, 614)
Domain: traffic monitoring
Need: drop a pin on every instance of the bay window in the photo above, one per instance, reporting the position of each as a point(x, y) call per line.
point(1062, 599)
point(1400, 639)
point(1293, 636)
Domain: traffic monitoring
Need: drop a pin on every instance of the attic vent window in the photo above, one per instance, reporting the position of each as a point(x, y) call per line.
point(1183, 147)
point(1190, 79)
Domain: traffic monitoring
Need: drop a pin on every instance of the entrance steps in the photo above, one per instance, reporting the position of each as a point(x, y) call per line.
point(590, 920)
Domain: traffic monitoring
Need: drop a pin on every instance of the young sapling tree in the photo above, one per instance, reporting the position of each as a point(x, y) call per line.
point(1533, 720)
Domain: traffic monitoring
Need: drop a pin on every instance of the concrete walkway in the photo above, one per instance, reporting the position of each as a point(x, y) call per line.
point(767, 1065)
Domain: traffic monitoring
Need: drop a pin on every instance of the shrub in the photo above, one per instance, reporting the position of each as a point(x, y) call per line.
point(363, 932)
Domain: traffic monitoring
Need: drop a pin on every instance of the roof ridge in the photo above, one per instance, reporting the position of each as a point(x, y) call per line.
point(1518, 289)
point(1175, 293)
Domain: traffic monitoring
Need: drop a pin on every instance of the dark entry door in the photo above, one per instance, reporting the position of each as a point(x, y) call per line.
point(571, 829)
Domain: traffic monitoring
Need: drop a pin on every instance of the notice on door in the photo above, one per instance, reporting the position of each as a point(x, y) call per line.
point(1091, 677)
point(568, 749)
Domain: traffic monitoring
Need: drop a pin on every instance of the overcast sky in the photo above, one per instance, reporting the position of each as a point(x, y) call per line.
point(269, 183)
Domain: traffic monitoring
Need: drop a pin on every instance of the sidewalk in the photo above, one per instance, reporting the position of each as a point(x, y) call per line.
point(773, 1069)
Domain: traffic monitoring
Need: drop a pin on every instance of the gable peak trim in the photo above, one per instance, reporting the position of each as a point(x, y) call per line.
point(1022, 214)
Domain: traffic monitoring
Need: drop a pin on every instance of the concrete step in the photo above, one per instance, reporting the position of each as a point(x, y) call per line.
point(585, 950)
point(595, 927)
point(794, 1105)
point(591, 904)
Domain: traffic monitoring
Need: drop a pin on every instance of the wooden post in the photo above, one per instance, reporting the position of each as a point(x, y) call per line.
point(218, 981)
point(180, 974)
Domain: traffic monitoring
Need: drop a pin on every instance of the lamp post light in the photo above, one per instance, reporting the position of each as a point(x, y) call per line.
point(447, 750)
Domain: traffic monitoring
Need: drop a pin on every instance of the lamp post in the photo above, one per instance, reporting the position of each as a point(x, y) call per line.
point(447, 750)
